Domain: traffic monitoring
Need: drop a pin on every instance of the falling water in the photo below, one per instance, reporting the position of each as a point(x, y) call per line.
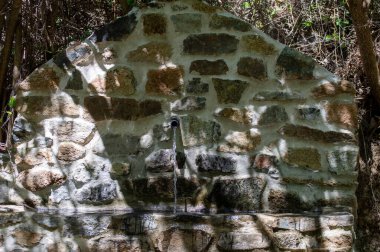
point(174, 170)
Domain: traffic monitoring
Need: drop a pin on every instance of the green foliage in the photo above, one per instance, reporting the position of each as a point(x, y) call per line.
point(12, 102)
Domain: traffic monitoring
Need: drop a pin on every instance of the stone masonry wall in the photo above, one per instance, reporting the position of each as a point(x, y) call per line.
point(263, 128)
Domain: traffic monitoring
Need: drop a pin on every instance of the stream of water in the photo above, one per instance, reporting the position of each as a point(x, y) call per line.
point(174, 171)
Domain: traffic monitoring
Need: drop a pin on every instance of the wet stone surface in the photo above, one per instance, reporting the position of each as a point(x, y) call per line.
point(229, 91)
point(196, 86)
point(209, 44)
point(215, 163)
point(206, 67)
point(252, 67)
point(198, 132)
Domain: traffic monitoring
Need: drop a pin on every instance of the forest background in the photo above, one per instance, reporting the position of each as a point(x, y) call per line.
point(33, 31)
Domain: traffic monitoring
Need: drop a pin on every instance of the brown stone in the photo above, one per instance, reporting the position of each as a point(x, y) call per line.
point(306, 133)
point(26, 238)
point(332, 89)
point(229, 91)
point(210, 44)
point(240, 142)
point(42, 79)
point(206, 67)
point(154, 24)
point(187, 22)
point(256, 43)
point(107, 108)
point(263, 162)
point(303, 157)
point(289, 239)
point(38, 178)
point(201, 6)
point(80, 132)
point(167, 81)
point(344, 114)
point(283, 201)
point(35, 156)
point(152, 52)
point(117, 81)
point(337, 239)
point(36, 108)
point(69, 152)
point(236, 115)
point(251, 67)
point(117, 243)
point(229, 23)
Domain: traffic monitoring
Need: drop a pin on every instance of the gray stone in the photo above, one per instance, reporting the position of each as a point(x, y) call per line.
point(273, 114)
point(96, 192)
point(46, 221)
point(278, 96)
point(289, 240)
point(187, 22)
point(210, 44)
point(195, 86)
point(189, 103)
point(206, 67)
point(251, 67)
point(10, 218)
point(294, 65)
point(118, 242)
point(22, 130)
point(75, 81)
point(229, 91)
point(162, 132)
point(160, 161)
point(215, 163)
point(342, 161)
point(43, 142)
point(79, 53)
point(116, 145)
point(309, 113)
point(116, 30)
point(60, 194)
point(4, 192)
point(179, 7)
point(229, 23)
point(178, 239)
point(238, 194)
point(198, 132)
point(239, 241)
point(134, 224)
point(306, 133)
point(240, 142)
point(86, 225)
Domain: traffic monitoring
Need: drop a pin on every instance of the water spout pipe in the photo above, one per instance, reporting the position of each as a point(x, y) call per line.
point(174, 122)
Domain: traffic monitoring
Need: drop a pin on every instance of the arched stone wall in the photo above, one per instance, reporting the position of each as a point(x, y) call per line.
point(263, 128)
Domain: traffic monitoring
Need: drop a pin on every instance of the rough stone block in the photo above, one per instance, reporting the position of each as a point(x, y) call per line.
point(134, 224)
point(215, 163)
point(160, 161)
point(33, 157)
point(176, 239)
point(115, 30)
point(4, 192)
point(294, 65)
point(68, 151)
point(118, 242)
point(49, 222)
point(252, 67)
point(154, 24)
point(189, 103)
point(41, 79)
point(167, 81)
point(116, 144)
point(283, 201)
point(210, 44)
point(203, 7)
point(106, 108)
point(229, 23)
point(337, 239)
point(75, 81)
point(195, 86)
point(187, 22)
point(152, 52)
point(284, 96)
point(237, 115)
point(291, 239)
point(256, 43)
point(308, 113)
point(119, 81)
point(240, 142)
point(263, 162)
point(179, 7)
point(238, 194)
point(86, 225)
point(343, 114)
point(273, 114)
point(229, 91)
point(303, 157)
point(306, 133)
point(206, 67)
point(342, 161)
point(35, 108)
point(77, 131)
point(333, 89)
point(26, 238)
point(196, 132)
point(39, 178)
point(239, 241)
point(22, 130)
point(96, 192)
point(79, 53)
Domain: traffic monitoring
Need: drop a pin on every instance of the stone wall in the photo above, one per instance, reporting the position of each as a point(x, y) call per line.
point(263, 128)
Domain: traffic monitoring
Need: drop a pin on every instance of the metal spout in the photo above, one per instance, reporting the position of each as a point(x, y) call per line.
point(174, 122)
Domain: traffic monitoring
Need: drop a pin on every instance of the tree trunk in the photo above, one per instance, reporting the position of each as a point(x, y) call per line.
point(359, 13)
point(2, 14)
